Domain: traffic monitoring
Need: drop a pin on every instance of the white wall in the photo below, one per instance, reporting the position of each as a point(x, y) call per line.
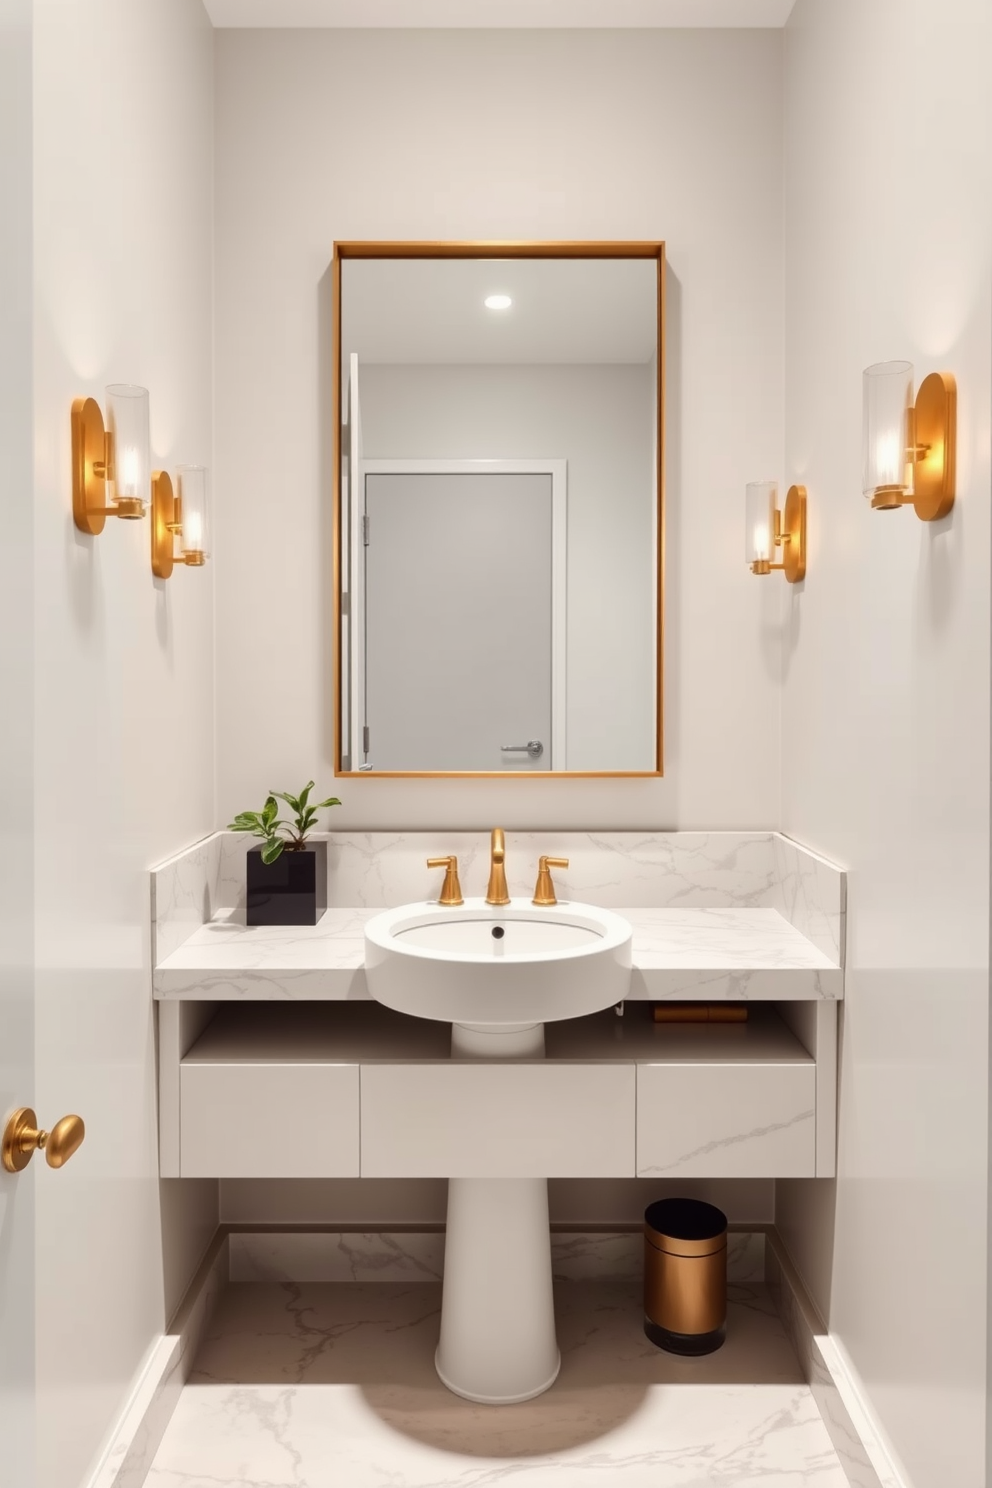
point(598, 418)
point(124, 678)
point(333, 135)
point(886, 696)
point(17, 1198)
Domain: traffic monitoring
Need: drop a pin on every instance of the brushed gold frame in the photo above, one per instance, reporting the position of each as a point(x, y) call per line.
point(497, 249)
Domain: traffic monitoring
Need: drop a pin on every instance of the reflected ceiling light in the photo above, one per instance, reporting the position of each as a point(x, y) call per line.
point(767, 528)
point(909, 446)
point(498, 302)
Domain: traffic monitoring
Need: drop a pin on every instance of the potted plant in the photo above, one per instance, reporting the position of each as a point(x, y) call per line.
point(287, 874)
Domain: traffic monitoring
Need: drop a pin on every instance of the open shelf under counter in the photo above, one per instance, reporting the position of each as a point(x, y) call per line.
point(329, 1090)
point(678, 954)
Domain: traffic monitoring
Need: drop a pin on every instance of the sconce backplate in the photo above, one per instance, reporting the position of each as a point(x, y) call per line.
point(89, 469)
point(163, 516)
point(936, 444)
point(794, 529)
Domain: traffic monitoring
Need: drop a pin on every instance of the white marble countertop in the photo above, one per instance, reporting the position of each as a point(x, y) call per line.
point(709, 955)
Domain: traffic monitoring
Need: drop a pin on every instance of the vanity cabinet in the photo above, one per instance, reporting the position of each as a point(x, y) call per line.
point(334, 1090)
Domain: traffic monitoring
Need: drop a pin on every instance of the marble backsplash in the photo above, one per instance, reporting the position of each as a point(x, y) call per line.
point(618, 870)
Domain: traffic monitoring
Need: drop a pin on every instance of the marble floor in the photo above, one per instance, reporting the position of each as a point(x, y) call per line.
point(324, 1385)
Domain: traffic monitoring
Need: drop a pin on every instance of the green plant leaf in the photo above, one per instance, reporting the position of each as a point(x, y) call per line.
point(331, 801)
point(272, 849)
point(305, 795)
point(291, 801)
point(270, 810)
point(245, 821)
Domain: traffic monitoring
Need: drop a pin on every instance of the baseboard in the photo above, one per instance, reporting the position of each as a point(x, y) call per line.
point(308, 1253)
point(839, 1399)
point(141, 1425)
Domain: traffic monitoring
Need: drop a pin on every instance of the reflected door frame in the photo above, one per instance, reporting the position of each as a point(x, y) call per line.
point(558, 471)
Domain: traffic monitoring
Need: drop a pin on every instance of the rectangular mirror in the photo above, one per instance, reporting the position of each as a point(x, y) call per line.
point(498, 508)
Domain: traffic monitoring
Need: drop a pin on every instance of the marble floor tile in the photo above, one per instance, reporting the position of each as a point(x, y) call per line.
point(333, 1386)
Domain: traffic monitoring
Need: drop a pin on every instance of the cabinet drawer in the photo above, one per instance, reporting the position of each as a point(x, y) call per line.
point(269, 1120)
point(497, 1121)
point(726, 1120)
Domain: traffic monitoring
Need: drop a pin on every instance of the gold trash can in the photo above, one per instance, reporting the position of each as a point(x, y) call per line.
point(685, 1276)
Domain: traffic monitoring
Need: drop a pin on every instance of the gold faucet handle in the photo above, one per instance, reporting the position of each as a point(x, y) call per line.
point(451, 889)
point(544, 891)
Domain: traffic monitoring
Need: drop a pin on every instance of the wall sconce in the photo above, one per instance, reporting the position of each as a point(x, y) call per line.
point(182, 516)
point(111, 465)
point(909, 447)
point(767, 528)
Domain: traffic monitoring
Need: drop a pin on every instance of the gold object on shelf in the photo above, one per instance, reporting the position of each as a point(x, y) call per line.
point(544, 890)
point(92, 467)
point(451, 889)
point(790, 536)
point(496, 893)
point(22, 1139)
point(699, 1012)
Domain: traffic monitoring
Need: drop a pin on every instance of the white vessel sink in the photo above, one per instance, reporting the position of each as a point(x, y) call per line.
point(481, 964)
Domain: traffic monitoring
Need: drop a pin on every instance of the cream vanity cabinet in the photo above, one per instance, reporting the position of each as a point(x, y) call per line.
point(350, 1089)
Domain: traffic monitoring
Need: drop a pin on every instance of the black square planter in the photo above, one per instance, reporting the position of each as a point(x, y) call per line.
point(290, 891)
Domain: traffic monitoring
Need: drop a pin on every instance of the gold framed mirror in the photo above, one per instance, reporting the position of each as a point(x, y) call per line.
point(499, 509)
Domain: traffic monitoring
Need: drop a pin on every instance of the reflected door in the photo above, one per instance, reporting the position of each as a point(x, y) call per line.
point(460, 595)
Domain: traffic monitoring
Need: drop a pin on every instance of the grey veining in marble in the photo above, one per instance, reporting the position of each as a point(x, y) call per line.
point(404, 1256)
point(812, 895)
point(314, 1386)
point(713, 954)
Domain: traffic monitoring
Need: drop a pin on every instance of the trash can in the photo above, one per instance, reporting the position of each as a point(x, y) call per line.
point(685, 1275)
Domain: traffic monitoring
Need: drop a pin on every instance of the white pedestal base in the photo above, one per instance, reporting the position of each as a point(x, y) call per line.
point(498, 1343)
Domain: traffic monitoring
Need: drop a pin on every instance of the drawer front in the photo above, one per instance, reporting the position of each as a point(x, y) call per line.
point(726, 1121)
point(497, 1121)
point(269, 1121)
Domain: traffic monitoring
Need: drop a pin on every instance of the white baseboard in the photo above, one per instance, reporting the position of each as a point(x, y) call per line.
point(856, 1438)
point(141, 1425)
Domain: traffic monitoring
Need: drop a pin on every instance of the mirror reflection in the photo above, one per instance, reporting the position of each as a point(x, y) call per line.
point(498, 521)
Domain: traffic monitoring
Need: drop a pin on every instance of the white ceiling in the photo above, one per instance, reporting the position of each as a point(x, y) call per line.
point(499, 13)
point(564, 310)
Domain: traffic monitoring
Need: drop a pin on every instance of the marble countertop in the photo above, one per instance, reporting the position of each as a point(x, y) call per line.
point(710, 955)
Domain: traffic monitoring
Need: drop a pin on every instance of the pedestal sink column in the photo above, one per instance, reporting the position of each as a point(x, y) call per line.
point(498, 1341)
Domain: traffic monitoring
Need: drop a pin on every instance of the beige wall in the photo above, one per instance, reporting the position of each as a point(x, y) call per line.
point(886, 697)
point(123, 678)
point(325, 135)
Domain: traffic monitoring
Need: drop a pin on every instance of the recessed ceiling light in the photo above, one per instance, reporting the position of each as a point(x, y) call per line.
point(498, 302)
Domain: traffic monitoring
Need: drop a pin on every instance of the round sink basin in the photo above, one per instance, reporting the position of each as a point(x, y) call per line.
point(477, 963)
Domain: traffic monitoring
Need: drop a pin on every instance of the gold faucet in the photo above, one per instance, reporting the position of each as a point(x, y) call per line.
point(496, 892)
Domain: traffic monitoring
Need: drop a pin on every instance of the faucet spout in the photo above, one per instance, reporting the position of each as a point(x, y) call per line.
point(496, 892)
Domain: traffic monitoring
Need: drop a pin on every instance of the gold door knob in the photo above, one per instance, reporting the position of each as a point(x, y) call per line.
point(544, 889)
point(22, 1139)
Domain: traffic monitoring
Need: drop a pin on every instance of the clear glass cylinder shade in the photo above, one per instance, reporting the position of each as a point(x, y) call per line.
point(759, 522)
point(195, 534)
point(888, 400)
point(131, 457)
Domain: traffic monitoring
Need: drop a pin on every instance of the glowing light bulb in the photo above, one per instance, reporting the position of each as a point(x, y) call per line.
point(498, 302)
point(762, 547)
point(193, 531)
point(130, 472)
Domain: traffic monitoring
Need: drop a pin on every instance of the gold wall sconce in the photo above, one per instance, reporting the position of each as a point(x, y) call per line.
point(179, 517)
point(111, 463)
point(909, 447)
point(768, 528)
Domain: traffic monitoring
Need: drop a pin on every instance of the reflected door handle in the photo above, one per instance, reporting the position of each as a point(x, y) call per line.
point(534, 748)
point(22, 1139)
